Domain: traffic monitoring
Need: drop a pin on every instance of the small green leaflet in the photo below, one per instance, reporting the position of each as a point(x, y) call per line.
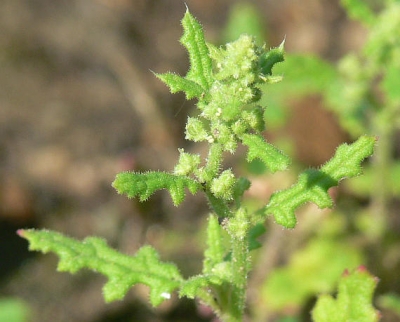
point(199, 78)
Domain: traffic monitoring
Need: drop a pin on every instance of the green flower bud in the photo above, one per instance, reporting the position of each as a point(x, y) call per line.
point(222, 187)
point(223, 135)
point(187, 163)
point(255, 118)
point(195, 130)
point(238, 226)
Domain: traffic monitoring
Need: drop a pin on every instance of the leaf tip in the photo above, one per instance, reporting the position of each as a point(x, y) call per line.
point(282, 44)
point(21, 233)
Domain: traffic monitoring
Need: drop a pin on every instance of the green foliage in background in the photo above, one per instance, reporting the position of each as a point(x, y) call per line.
point(353, 302)
point(311, 270)
point(14, 310)
point(227, 83)
point(390, 302)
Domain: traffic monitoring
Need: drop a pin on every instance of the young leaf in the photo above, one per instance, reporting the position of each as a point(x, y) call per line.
point(346, 162)
point(144, 185)
point(187, 163)
point(200, 62)
point(222, 187)
point(270, 58)
point(274, 159)
point(313, 185)
point(122, 271)
point(199, 78)
point(177, 83)
point(214, 254)
point(196, 130)
point(255, 232)
point(241, 185)
point(353, 303)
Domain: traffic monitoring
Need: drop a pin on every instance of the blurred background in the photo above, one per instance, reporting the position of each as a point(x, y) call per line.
point(79, 103)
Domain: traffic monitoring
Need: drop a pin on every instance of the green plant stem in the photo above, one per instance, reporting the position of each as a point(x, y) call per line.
point(240, 269)
point(219, 206)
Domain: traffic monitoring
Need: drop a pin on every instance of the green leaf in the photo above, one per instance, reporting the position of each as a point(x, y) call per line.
point(313, 185)
point(199, 78)
point(122, 271)
point(200, 62)
point(242, 184)
point(346, 162)
point(214, 254)
point(255, 118)
point(353, 302)
point(274, 159)
point(270, 58)
point(219, 206)
point(177, 83)
point(144, 185)
point(255, 232)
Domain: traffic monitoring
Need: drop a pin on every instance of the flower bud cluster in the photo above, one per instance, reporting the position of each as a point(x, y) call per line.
point(228, 109)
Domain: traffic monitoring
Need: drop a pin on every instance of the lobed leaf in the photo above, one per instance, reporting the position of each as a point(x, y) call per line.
point(313, 185)
point(347, 159)
point(200, 62)
point(144, 185)
point(122, 271)
point(353, 302)
point(274, 159)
